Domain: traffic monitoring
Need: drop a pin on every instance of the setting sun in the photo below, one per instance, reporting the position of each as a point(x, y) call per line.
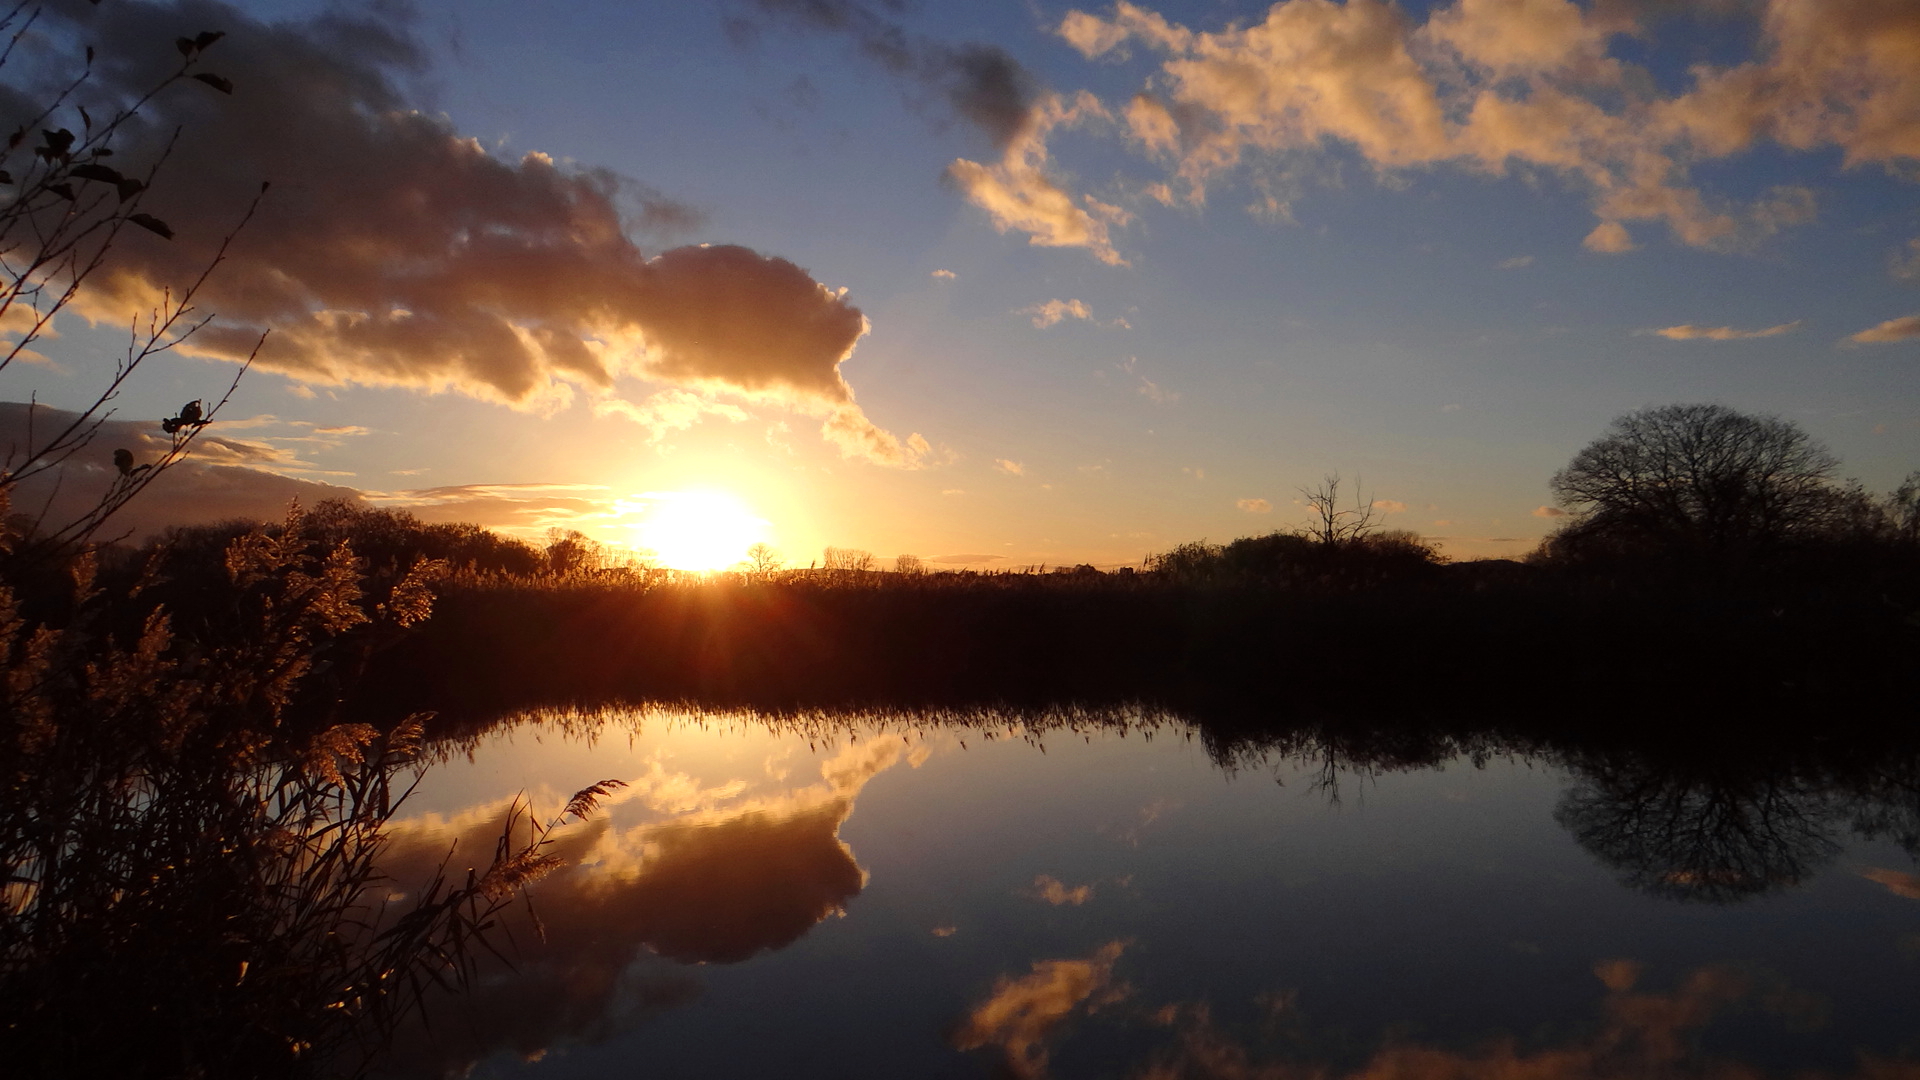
point(696, 530)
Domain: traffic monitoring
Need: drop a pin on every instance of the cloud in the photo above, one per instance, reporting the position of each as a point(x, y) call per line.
point(1011, 468)
point(1053, 311)
point(1690, 332)
point(1498, 86)
point(526, 510)
point(1055, 892)
point(1905, 262)
point(668, 411)
point(1905, 328)
point(1019, 195)
point(1636, 1034)
point(962, 560)
point(223, 480)
point(990, 90)
point(1155, 393)
point(1021, 1014)
point(724, 876)
point(1897, 883)
point(981, 84)
point(1609, 238)
point(944, 275)
point(1390, 506)
point(1548, 512)
point(1254, 506)
point(1514, 263)
point(393, 251)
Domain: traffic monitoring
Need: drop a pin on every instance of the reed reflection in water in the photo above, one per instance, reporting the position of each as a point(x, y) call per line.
point(1120, 907)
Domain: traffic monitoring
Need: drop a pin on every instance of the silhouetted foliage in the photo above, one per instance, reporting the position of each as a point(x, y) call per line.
point(1692, 481)
point(189, 826)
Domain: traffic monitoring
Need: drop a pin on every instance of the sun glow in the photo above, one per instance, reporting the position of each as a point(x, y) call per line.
point(697, 530)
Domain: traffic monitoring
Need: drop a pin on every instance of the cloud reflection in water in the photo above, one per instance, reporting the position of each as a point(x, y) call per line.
point(717, 881)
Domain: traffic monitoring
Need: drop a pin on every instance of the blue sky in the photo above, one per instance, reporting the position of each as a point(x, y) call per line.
point(1430, 311)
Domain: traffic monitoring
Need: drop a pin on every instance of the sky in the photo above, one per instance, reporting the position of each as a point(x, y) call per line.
point(994, 284)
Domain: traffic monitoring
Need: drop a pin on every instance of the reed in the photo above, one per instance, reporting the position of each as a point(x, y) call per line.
point(190, 830)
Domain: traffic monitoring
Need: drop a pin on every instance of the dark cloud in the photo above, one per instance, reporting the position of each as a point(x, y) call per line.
point(392, 250)
point(226, 478)
point(980, 83)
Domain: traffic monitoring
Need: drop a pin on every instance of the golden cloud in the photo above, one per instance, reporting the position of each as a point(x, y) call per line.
point(1690, 332)
point(1022, 1013)
point(1495, 84)
point(1019, 195)
point(719, 881)
point(1905, 328)
point(392, 251)
point(1897, 883)
point(1054, 891)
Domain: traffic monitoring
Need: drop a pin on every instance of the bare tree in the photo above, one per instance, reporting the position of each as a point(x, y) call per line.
point(837, 558)
point(909, 564)
point(1698, 478)
point(763, 559)
point(1332, 526)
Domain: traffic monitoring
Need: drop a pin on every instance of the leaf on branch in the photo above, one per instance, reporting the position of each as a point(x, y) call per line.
point(57, 144)
point(129, 188)
point(85, 120)
point(90, 171)
point(225, 86)
point(90, 48)
point(65, 191)
point(207, 37)
point(14, 140)
point(5, 177)
point(152, 224)
point(185, 45)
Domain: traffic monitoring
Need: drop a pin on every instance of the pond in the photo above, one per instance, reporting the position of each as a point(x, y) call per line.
point(1114, 895)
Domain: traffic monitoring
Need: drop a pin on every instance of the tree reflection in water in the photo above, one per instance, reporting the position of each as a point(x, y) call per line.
point(1724, 832)
point(1708, 838)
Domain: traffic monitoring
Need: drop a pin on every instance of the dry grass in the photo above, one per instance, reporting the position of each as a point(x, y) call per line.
point(190, 833)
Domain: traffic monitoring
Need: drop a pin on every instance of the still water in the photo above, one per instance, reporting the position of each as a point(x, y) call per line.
point(879, 897)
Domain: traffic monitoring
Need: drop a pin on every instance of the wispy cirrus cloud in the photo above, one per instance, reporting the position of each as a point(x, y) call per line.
point(1905, 328)
point(1690, 332)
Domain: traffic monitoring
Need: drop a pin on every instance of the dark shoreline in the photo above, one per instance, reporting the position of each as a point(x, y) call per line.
point(1538, 656)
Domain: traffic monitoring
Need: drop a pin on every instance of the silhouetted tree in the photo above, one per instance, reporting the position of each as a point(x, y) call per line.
point(763, 559)
point(837, 558)
point(1331, 525)
point(570, 551)
point(1696, 479)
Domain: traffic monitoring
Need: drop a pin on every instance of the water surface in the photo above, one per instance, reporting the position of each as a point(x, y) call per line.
point(880, 896)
